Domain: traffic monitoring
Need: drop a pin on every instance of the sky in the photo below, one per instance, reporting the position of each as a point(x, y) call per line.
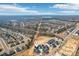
point(39, 9)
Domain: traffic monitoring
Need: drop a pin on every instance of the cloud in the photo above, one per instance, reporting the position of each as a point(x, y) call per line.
point(18, 10)
point(67, 12)
point(29, 13)
point(12, 8)
point(66, 6)
point(46, 13)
